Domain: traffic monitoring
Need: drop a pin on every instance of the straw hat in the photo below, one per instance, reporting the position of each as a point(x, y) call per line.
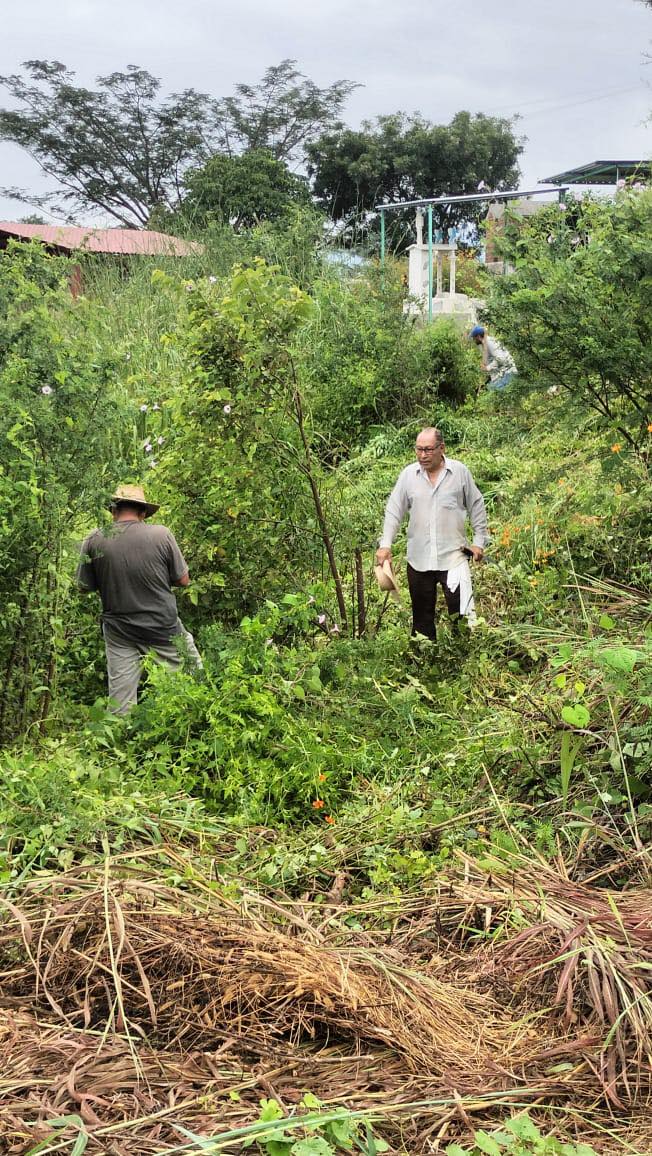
point(135, 495)
point(386, 580)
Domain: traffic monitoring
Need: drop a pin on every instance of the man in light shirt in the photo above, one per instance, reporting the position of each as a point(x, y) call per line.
point(439, 493)
point(497, 361)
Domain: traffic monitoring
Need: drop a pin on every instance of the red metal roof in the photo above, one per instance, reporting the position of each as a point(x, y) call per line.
point(141, 241)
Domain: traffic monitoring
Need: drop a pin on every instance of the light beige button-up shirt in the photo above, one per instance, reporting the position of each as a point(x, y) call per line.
point(436, 529)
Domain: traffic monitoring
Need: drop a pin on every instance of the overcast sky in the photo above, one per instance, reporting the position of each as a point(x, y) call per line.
point(575, 70)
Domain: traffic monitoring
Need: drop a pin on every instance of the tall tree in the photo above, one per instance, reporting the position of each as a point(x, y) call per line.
point(401, 158)
point(242, 190)
point(283, 113)
point(124, 149)
point(119, 148)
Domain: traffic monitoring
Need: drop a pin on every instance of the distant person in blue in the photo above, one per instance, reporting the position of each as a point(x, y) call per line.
point(497, 361)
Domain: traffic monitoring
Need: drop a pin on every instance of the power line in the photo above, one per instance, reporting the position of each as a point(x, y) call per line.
point(584, 98)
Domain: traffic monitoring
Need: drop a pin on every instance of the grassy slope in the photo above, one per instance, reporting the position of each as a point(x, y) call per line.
point(416, 756)
point(395, 742)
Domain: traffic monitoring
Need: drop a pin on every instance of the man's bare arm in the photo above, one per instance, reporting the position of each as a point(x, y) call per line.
point(184, 580)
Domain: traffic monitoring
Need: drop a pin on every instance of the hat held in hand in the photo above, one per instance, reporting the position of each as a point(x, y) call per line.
point(133, 496)
point(386, 580)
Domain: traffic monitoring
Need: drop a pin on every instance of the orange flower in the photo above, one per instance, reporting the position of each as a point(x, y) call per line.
point(616, 448)
point(649, 428)
point(318, 804)
point(321, 777)
point(329, 818)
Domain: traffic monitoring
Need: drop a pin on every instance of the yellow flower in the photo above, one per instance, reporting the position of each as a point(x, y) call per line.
point(616, 448)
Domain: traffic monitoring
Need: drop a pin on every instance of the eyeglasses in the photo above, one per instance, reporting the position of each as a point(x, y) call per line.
point(427, 449)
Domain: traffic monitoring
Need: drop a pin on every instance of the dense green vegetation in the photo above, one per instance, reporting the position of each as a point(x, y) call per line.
point(268, 404)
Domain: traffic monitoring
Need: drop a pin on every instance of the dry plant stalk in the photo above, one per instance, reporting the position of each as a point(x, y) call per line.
point(140, 1007)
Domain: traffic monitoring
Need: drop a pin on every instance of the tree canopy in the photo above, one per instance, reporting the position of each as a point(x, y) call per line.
point(399, 158)
point(283, 113)
point(123, 148)
point(242, 190)
point(119, 147)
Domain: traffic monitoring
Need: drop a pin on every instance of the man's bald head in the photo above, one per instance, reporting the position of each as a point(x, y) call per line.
point(430, 433)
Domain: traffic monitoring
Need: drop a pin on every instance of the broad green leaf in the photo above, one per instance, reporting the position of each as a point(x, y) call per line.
point(309, 1100)
point(277, 1147)
point(312, 1146)
point(270, 1110)
point(576, 716)
point(523, 1128)
point(621, 658)
point(486, 1143)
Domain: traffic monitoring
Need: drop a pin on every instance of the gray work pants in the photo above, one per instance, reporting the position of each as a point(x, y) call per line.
point(124, 660)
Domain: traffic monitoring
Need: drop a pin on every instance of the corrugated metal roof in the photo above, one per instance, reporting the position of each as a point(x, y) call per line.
point(141, 241)
point(600, 173)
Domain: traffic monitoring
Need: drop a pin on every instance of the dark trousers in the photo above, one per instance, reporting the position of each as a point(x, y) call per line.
point(422, 585)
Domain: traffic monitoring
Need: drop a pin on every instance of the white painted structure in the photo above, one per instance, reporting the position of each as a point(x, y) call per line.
point(444, 300)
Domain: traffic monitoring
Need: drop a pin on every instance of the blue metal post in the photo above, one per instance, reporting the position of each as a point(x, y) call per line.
point(429, 262)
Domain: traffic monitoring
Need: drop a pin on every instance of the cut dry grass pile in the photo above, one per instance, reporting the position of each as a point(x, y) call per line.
point(132, 957)
point(584, 950)
point(140, 1007)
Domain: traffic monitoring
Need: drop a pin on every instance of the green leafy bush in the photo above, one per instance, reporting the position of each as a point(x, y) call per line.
point(63, 432)
point(577, 310)
point(367, 362)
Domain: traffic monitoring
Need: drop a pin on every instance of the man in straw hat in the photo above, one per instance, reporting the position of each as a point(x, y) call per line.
point(439, 494)
point(133, 566)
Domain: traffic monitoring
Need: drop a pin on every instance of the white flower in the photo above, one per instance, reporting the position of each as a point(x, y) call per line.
point(127, 357)
point(47, 390)
point(227, 409)
point(152, 464)
point(148, 447)
point(335, 629)
point(562, 207)
point(620, 184)
point(189, 287)
point(159, 441)
point(156, 405)
point(321, 619)
point(311, 600)
point(144, 407)
point(213, 280)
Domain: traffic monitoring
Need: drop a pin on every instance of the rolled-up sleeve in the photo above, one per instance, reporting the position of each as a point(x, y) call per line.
point(476, 510)
point(395, 511)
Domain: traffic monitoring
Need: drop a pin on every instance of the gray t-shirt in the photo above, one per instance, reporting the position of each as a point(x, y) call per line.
point(132, 566)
